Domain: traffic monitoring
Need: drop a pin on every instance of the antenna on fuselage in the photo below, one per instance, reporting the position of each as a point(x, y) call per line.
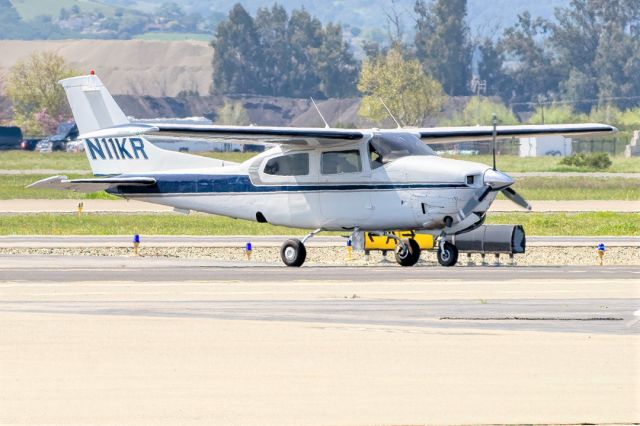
point(391, 115)
point(326, 125)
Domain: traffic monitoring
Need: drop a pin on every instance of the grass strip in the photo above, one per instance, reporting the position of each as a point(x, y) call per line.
point(570, 224)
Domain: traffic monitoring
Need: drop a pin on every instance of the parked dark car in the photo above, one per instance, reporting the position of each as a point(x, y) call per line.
point(66, 132)
point(29, 144)
point(10, 137)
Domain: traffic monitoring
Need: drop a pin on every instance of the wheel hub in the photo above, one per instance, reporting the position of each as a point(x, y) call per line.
point(290, 253)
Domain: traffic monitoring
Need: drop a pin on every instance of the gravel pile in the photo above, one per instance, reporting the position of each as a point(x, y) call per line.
point(543, 256)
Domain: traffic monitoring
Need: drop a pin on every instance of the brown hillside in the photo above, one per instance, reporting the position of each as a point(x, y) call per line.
point(128, 67)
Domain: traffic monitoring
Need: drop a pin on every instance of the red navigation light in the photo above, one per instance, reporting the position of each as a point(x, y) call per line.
point(93, 72)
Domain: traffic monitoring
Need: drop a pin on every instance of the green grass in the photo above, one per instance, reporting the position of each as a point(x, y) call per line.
point(513, 163)
point(13, 187)
point(587, 224)
point(173, 36)
point(578, 188)
point(572, 224)
point(29, 9)
point(29, 160)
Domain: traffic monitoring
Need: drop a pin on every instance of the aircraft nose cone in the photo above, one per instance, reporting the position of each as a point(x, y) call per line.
point(496, 179)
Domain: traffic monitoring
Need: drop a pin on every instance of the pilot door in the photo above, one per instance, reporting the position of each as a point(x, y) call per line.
point(344, 188)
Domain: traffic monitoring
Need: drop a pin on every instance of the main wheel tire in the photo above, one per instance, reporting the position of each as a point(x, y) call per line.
point(293, 253)
point(409, 254)
point(448, 255)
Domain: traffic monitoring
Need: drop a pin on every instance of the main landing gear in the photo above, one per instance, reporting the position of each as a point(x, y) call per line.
point(407, 252)
point(447, 253)
point(293, 252)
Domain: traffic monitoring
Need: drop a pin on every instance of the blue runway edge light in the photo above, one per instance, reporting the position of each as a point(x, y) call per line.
point(601, 247)
point(136, 238)
point(248, 247)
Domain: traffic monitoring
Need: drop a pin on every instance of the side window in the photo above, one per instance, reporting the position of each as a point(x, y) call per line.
point(337, 162)
point(375, 159)
point(288, 165)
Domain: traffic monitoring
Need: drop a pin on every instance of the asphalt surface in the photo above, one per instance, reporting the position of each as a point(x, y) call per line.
point(93, 268)
point(600, 316)
point(258, 241)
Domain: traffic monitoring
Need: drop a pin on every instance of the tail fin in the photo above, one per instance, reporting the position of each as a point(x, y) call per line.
point(109, 148)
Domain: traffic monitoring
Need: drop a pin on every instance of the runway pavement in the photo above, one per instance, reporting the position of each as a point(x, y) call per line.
point(145, 269)
point(121, 340)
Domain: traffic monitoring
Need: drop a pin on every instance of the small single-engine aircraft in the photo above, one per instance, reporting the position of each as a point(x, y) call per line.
point(322, 179)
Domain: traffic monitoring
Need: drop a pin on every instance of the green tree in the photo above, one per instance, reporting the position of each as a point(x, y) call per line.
point(598, 42)
point(480, 112)
point(10, 21)
point(36, 96)
point(278, 55)
point(408, 91)
point(491, 69)
point(237, 56)
point(535, 72)
point(337, 68)
point(274, 38)
point(233, 113)
point(305, 38)
point(443, 44)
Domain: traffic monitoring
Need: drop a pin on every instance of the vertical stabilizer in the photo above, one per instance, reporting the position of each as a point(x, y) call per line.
point(94, 109)
point(93, 106)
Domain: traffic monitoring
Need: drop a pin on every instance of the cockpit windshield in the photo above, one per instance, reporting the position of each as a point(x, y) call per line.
point(386, 148)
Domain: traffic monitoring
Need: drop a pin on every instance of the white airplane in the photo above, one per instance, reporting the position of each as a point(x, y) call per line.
point(325, 179)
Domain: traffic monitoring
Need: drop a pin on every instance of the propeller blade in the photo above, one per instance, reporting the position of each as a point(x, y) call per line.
point(511, 194)
point(473, 203)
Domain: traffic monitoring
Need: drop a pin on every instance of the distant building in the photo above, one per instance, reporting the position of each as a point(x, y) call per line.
point(557, 146)
point(633, 149)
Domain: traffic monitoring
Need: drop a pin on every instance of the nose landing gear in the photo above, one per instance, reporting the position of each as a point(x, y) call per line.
point(447, 254)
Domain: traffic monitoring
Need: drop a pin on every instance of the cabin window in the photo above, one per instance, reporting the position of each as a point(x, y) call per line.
point(288, 165)
point(338, 162)
point(375, 159)
point(388, 147)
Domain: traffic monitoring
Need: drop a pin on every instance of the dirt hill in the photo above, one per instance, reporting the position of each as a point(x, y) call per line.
point(128, 67)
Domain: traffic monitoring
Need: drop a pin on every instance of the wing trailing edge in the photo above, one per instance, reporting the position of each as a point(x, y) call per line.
point(437, 135)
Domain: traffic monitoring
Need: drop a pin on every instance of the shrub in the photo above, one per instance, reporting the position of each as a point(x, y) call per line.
point(594, 160)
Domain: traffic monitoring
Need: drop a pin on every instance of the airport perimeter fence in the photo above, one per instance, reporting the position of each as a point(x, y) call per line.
point(613, 146)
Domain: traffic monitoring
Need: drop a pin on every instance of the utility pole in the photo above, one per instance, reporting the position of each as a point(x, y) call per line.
point(478, 86)
point(541, 101)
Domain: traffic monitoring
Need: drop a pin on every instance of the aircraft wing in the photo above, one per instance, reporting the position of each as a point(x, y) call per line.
point(90, 185)
point(435, 135)
point(260, 134)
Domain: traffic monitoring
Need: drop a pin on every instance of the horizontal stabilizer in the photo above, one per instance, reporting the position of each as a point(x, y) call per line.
point(90, 185)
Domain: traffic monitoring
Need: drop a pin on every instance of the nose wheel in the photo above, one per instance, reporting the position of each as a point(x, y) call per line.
point(447, 254)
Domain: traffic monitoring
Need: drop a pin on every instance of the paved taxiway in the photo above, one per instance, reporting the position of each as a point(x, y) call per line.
point(93, 340)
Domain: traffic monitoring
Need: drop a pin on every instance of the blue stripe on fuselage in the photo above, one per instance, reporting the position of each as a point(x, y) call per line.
point(214, 184)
